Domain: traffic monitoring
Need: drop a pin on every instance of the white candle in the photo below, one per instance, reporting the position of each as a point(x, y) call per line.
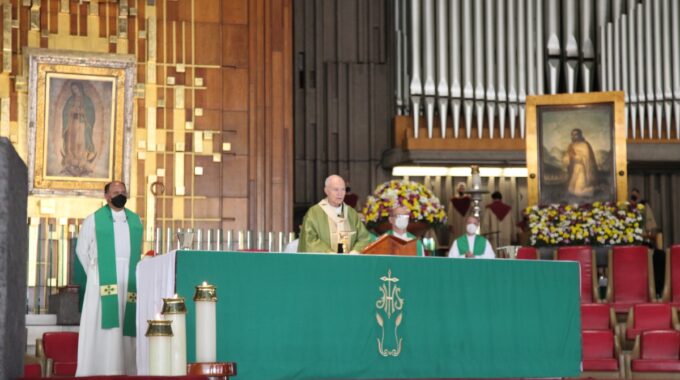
point(240, 240)
point(206, 323)
point(159, 333)
point(174, 310)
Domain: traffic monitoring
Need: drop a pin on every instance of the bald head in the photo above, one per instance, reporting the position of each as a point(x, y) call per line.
point(334, 187)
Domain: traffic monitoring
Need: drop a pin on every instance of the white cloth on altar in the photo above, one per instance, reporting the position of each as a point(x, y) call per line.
point(155, 281)
point(104, 351)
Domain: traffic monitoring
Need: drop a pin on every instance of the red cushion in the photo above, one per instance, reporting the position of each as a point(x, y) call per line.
point(623, 306)
point(660, 344)
point(584, 255)
point(661, 365)
point(650, 316)
point(64, 368)
point(526, 253)
point(600, 364)
point(32, 370)
point(675, 274)
point(61, 346)
point(630, 276)
point(598, 344)
point(595, 316)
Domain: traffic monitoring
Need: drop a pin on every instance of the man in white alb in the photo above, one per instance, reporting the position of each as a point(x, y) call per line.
point(109, 248)
point(471, 245)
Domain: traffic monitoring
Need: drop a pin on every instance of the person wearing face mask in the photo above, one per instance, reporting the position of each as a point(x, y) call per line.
point(331, 226)
point(109, 248)
point(471, 245)
point(399, 218)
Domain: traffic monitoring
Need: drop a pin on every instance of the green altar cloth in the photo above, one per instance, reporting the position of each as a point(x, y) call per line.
point(308, 316)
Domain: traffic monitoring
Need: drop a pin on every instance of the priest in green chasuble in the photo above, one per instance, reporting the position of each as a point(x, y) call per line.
point(471, 245)
point(109, 248)
point(331, 226)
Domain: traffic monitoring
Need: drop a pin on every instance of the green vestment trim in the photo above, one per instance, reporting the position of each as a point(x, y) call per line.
point(464, 247)
point(106, 262)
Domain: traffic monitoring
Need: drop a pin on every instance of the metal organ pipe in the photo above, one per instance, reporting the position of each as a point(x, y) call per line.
point(482, 58)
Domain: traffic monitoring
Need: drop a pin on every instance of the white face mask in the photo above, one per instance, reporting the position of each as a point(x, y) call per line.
point(401, 222)
point(471, 228)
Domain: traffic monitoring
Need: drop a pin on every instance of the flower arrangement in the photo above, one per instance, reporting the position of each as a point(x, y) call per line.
point(599, 223)
point(420, 201)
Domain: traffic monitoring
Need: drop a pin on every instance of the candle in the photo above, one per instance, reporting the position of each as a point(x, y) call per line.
point(281, 242)
point(159, 333)
point(206, 323)
point(240, 240)
point(174, 309)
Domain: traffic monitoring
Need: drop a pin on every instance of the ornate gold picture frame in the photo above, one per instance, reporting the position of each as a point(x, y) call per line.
point(80, 120)
point(576, 148)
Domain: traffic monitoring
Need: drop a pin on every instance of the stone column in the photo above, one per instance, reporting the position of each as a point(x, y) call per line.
point(13, 256)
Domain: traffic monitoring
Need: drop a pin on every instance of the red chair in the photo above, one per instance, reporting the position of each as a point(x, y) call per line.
point(61, 352)
point(32, 369)
point(585, 256)
point(597, 316)
point(601, 355)
point(650, 316)
point(631, 277)
point(671, 288)
point(526, 253)
point(656, 355)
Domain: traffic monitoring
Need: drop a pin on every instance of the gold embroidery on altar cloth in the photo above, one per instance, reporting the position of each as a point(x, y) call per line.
point(132, 297)
point(388, 305)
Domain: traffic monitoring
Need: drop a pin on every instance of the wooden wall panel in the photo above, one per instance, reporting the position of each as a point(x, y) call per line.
point(202, 11)
point(342, 95)
point(235, 46)
point(235, 214)
point(209, 183)
point(207, 35)
point(235, 11)
point(211, 118)
point(235, 127)
point(208, 208)
point(211, 96)
point(235, 89)
point(234, 176)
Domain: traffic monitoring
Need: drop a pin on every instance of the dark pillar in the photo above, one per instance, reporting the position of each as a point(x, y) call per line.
point(13, 258)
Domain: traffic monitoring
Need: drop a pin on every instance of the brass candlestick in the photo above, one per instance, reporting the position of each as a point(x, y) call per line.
point(158, 327)
point(205, 292)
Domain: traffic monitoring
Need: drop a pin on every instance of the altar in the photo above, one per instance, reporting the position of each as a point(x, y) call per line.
point(313, 316)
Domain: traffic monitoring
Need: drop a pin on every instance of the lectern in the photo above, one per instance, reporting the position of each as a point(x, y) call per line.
point(392, 245)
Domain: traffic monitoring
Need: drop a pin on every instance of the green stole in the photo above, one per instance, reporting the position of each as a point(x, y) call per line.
point(106, 262)
point(464, 247)
point(419, 243)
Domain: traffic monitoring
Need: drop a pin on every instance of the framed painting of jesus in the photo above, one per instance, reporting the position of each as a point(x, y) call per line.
point(576, 148)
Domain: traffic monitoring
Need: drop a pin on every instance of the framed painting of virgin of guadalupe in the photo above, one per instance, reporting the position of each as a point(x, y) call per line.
point(80, 115)
point(576, 148)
